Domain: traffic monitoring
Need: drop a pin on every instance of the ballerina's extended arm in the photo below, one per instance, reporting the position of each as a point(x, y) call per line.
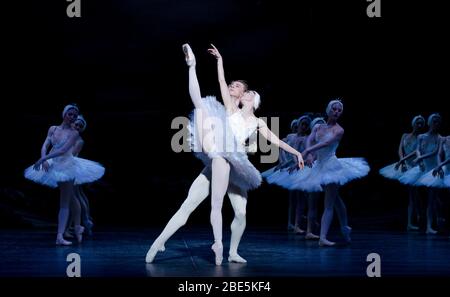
point(269, 135)
point(227, 100)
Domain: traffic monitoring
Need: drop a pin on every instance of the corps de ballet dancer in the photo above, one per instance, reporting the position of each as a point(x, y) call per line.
point(81, 203)
point(439, 177)
point(218, 136)
point(59, 168)
point(407, 153)
point(425, 161)
point(297, 197)
point(328, 172)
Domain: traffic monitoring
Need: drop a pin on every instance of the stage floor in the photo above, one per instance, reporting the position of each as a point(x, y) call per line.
point(270, 253)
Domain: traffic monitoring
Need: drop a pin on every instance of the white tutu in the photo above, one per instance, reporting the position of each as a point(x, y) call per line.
point(323, 172)
point(242, 174)
point(66, 168)
point(428, 180)
point(390, 172)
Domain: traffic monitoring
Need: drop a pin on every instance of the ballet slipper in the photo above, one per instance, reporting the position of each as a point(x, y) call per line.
point(154, 249)
point(236, 259)
point(297, 230)
point(431, 231)
point(217, 247)
point(79, 233)
point(412, 227)
point(61, 241)
point(346, 231)
point(311, 236)
point(325, 242)
point(189, 55)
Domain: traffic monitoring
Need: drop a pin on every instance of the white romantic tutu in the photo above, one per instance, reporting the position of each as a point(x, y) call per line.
point(428, 180)
point(391, 173)
point(328, 171)
point(242, 174)
point(66, 168)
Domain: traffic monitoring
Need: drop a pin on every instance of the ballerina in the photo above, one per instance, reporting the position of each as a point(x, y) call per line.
point(59, 168)
point(328, 173)
point(224, 154)
point(439, 177)
point(426, 160)
point(407, 153)
point(80, 205)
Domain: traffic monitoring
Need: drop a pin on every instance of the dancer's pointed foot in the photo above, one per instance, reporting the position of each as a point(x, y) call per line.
point(346, 231)
point(311, 236)
point(412, 228)
point(154, 249)
point(217, 247)
point(236, 259)
point(79, 233)
point(325, 242)
point(431, 231)
point(61, 241)
point(297, 230)
point(189, 55)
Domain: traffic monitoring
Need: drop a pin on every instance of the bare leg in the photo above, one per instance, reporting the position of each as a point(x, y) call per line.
point(312, 215)
point(198, 192)
point(299, 198)
point(66, 195)
point(430, 211)
point(341, 212)
point(290, 225)
point(75, 209)
point(238, 200)
point(219, 186)
point(411, 207)
point(331, 193)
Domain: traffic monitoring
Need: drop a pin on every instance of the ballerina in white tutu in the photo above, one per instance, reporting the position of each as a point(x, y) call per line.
point(59, 168)
point(425, 161)
point(439, 177)
point(218, 135)
point(79, 208)
point(407, 153)
point(328, 173)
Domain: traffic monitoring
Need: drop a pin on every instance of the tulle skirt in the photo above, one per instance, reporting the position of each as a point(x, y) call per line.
point(391, 173)
point(428, 180)
point(212, 122)
point(323, 172)
point(64, 169)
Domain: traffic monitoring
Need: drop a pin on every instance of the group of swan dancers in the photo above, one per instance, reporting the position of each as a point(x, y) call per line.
point(220, 136)
point(423, 163)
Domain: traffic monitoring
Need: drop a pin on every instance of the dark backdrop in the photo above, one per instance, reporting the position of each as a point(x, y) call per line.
point(122, 63)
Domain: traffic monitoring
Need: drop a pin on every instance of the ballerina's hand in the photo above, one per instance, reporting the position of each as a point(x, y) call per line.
point(301, 163)
point(309, 161)
point(37, 165)
point(215, 52)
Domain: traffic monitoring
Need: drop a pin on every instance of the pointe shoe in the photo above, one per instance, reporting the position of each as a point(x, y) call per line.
point(297, 230)
point(189, 55)
point(152, 252)
point(61, 241)
point(412, 228)
point(236, 259)
point(324, 242)
point(311, 236)
point(431, 231)
point(290, 227)
point(346, 231)
point(217, 248)
point(79, 233)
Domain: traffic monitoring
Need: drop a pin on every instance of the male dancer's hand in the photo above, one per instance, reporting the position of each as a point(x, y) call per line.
point(215, 52)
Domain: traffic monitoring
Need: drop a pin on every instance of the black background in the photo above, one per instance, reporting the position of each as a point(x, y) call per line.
point(122, 63)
